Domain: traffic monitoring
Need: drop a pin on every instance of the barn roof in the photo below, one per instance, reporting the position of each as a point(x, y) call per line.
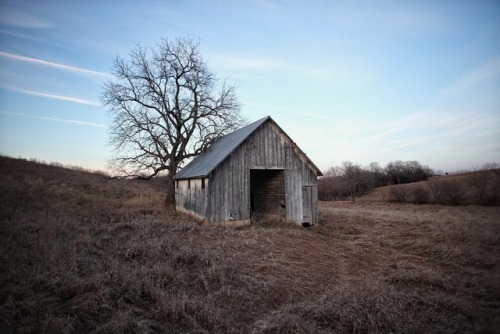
point(206, 162)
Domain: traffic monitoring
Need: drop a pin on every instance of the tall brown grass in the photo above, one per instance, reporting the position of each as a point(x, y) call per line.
point(81, 253)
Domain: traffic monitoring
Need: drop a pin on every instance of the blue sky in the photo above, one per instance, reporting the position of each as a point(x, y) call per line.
point(358, 81)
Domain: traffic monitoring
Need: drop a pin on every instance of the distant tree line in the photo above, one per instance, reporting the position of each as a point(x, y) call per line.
point(350, 180)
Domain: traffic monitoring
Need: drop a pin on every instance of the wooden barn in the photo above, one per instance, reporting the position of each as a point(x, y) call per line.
point(256, 170)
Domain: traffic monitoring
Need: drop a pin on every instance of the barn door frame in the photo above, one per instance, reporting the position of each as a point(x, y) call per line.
point(261, 200)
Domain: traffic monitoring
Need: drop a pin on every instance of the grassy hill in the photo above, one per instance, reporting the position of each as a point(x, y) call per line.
point(468, 188)
point(83, 253)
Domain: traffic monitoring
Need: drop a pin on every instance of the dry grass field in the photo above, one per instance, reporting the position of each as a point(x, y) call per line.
point(80, 253)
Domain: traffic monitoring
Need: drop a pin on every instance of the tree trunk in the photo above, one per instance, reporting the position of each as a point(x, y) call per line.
point(351, 190)
point(170, 195)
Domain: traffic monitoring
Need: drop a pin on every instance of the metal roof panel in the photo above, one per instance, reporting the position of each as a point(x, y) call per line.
point(204, 163)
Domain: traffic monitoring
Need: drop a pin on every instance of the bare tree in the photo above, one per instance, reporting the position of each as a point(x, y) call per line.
point(166, 107)
point(353, 176)
point(378, 174)
point(399, 172)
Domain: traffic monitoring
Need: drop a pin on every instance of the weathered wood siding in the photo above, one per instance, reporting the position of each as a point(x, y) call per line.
point(267, 148)
point(191, 196)
point(309, 200)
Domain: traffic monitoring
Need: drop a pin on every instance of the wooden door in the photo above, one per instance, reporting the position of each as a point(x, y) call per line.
point(309, 194)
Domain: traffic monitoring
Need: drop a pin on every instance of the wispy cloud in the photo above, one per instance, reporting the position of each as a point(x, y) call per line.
point(14, 18)
point(53, 119)
point(53, 96)
point(416, 20)
point(267, 5)
point(235, 63)
point(71, 121)
point(430, 133)
point(264, 106)
point(483, 73)
point(392, 128)
point(63, 67)
point(317, 115)
point(397, 19)
point(432, 128)
point(245, 63)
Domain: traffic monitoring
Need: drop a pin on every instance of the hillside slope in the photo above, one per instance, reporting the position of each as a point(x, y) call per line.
point(82, 253)
point(455, 189)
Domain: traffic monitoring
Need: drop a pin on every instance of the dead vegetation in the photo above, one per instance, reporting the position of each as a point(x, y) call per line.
point(80, 253)
point(479, 187)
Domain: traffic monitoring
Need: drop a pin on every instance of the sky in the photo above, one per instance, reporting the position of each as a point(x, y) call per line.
point(359, 81)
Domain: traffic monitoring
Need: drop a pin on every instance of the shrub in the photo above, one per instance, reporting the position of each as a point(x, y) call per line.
point(419, 195)
point(399, 194)
point(452, 192)
point(485, 182)
point(436, 193)
point(446, 192)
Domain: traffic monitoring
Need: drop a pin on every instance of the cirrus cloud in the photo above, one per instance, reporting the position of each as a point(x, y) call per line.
point(63, 67)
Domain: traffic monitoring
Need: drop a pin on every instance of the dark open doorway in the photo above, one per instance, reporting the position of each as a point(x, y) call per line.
point(267, 192)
